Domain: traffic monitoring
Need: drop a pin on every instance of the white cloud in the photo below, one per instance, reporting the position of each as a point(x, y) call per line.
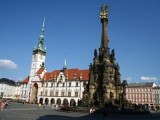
point(7, 64)
point(128, 79)
point(148, 78)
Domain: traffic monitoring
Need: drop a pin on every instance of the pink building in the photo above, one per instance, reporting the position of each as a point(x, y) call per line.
point(140, 93)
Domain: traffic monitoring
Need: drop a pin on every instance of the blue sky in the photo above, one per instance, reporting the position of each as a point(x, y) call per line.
point(73, 30)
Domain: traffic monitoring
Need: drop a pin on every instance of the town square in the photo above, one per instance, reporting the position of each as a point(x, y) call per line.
point(112, 74)
point(19, 111)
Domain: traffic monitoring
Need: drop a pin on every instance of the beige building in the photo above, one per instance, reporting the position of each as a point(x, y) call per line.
point(156, 95)
point(140, 93)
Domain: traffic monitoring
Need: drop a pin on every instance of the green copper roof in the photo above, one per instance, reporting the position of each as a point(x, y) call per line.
point(41, 39)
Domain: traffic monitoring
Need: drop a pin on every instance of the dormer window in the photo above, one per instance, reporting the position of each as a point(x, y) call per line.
point(80, 77)
point(51, 77)
point(74, 76)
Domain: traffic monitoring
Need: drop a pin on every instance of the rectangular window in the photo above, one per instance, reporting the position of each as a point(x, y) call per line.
point(76, 94)
point(70, 84)
point(41, 93)
point(63, 84)
point(62, 94)
point(51, 93)
point(51, 84)
point(46, 84)
point(76, 84)
point(45, 93)
point(56, 93)
point(84, 84)
point(69, 94)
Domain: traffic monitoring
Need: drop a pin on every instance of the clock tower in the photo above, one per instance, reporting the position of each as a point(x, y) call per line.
point(38, 56)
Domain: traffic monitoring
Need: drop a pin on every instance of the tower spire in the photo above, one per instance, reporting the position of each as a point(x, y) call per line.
point(65, 64)
point(104, 21)
point(41, 37)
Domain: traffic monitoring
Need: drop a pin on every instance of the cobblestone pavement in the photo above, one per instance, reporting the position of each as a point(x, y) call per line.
point(19, 111)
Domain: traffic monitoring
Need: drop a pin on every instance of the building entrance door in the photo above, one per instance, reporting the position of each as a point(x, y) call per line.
point(34, 93)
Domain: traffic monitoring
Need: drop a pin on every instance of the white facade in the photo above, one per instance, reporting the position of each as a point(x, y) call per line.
point(7, 90)
point(57, 87)
point(24, 92)
point(156, 95)
point(61, 89)
point(37, 60)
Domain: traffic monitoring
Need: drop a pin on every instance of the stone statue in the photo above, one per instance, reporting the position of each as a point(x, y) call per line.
point(95, 53)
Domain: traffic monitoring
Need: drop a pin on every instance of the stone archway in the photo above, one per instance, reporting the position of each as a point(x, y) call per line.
point(72, 102)
point(52, 101)
point(46, 101)
point(34, 93)
point(41, 101)
point(65, 102)
point(58, 101)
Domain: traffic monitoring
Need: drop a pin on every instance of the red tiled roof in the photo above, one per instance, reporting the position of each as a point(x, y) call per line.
point(26, 80)
point(85, 74)
point(40, 70)
point(70, 72)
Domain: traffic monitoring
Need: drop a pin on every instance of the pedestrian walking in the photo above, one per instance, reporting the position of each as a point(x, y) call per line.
point(39, 106)
point(2, 105)
point(44, 106)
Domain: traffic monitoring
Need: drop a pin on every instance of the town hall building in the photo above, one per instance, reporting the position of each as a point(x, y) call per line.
point(64, 86)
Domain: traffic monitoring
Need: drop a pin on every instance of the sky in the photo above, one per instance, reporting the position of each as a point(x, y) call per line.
point(73, 31)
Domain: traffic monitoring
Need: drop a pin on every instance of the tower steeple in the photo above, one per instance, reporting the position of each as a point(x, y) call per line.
point(38, 55)
point(65, 64)
point(104, 21)
point(41, 37)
